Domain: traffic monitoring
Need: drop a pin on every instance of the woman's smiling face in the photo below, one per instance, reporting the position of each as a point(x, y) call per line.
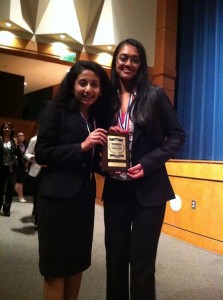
point(127, 62)
point(87, 88)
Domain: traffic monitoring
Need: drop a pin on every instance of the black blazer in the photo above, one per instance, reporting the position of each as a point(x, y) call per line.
point(58, 146)
point(152, 150)
point(18, 159)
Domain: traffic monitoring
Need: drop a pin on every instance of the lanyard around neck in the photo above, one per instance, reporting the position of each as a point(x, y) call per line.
point(125, 123)
point(87, 123)
point(88, 128)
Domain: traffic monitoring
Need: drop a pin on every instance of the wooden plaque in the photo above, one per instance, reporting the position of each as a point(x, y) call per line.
point(115, 154)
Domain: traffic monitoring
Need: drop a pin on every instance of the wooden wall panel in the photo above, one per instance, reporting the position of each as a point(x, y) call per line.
point(28, 127)
point(193, 180)
point(211, 170)
point(207, 218)
point(194, 239)
point(100, 185)
point(164, 71)
point(203, 182)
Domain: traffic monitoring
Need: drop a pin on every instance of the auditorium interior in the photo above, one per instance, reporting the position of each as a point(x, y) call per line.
point(39, 42)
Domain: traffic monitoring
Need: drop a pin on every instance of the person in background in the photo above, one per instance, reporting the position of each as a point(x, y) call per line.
point(71, 131)
point(10, 159)
point(34, 173)
point(135, 200)
point(21, 172)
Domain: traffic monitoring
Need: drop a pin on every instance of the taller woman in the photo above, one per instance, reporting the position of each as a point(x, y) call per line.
point(71, 129)
point(135, 201)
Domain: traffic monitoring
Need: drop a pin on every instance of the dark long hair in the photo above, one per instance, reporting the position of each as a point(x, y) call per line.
point(145, 91)
point(9, 124)
point(101, 109)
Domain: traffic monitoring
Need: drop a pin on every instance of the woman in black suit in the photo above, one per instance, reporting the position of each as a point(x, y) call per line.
point(135, 201)
point(10, 159)
point(71, 129)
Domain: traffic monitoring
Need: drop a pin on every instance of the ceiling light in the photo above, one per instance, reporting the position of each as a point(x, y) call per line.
point(104, 59)
point(62, 36)
point(6, 38)
point(59, 48)
point(109, 47)
point(7, 24)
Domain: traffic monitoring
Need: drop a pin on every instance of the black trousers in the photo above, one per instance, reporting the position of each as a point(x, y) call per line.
point(131, 238)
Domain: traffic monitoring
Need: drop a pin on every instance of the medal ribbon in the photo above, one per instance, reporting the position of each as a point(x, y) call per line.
point(125, 123)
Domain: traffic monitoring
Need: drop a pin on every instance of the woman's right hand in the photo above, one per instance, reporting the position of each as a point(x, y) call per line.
point(117, 129)
point(98, 136)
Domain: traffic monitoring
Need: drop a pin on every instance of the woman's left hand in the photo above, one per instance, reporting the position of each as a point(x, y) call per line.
point(136, 172)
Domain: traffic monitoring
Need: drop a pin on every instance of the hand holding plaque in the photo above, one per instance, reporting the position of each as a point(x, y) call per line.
point(115, 154)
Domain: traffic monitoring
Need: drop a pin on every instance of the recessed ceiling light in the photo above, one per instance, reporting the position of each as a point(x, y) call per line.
point(7, 24)
point(25, 83)
point(104, 59)
point(6, 38)
point(109, 47)
point(62, 36)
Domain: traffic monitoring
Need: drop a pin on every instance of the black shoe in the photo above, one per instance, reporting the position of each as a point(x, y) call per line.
point(7, 213)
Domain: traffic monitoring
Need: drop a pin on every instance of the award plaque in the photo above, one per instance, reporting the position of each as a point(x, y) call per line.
point(115, 154)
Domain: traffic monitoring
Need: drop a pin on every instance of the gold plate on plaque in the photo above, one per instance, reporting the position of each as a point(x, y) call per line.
point(115, 154)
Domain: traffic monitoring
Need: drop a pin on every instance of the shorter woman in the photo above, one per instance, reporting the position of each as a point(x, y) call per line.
point(71, 129)
point(10, 158)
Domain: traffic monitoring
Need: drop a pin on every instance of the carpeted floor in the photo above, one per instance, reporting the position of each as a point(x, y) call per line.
point(183, 272)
